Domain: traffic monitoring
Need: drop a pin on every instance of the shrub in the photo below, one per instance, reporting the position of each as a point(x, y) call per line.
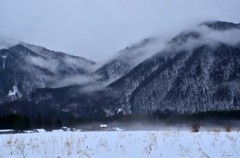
point(227, 128)
point(195, 126)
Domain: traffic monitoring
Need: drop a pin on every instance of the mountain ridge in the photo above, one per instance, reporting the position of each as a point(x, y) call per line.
point(196, 71)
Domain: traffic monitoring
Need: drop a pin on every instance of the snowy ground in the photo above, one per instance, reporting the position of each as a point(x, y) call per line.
point(119, 144)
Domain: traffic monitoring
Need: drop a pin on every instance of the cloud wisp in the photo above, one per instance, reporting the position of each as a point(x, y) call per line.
point(206, 36)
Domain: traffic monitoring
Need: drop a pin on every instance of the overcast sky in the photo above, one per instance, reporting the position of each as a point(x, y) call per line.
point(98, 29)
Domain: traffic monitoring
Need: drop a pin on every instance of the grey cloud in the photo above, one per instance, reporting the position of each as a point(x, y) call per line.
point(74, 80)
point(98, 29)
point(6, 42)
point(44, 63)
point(230, 37)
point(209, 37)
point(75, 63)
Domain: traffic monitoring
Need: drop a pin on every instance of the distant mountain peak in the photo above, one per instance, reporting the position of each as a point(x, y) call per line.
point(41, 50)
point(126, 59)
point(221, 25)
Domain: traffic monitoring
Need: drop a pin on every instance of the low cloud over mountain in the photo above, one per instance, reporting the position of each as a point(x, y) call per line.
point(196, 71)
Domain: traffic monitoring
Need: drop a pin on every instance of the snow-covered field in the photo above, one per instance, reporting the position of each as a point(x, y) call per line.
point(119, 144)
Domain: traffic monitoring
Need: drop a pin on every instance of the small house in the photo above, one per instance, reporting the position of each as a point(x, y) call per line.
point(64, 128)
point(103, 127)
point(40, 130)
point(7, 131)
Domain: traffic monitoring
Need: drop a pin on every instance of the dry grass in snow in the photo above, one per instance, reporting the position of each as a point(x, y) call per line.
point(129, 144)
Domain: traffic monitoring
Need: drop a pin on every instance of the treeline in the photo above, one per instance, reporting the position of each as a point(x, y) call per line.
point(15, 121)
point(21, 122)
point(234, 115)
point(169, 117)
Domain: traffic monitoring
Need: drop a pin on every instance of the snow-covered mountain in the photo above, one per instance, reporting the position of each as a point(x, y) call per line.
point(126, 59)
point(198, 70)
point(25, 67)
